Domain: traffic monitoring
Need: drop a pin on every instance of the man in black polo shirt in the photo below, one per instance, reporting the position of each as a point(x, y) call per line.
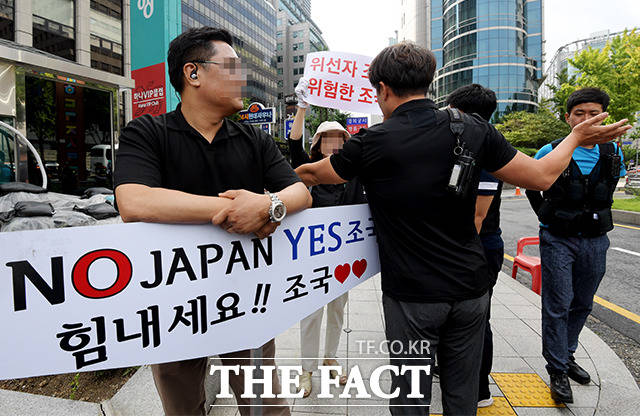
point(434, 274)
point(476, 99)
point(194, 166)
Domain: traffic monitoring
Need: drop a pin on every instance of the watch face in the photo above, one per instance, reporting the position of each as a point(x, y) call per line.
point(278, 211)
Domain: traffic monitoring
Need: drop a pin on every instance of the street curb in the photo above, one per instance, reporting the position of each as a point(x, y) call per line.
point(619, 393)
point(627, 217)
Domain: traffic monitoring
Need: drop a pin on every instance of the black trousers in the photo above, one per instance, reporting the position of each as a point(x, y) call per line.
point(495, 258)
point(456, 329)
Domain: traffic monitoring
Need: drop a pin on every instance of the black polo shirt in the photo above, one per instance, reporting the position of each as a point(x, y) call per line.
point(429, 248)
point(490, 231)
point(166, 152)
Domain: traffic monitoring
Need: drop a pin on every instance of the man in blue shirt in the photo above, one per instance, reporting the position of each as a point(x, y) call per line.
point(575, 216)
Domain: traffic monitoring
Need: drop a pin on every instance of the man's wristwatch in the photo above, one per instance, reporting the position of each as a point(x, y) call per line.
point(277, 210)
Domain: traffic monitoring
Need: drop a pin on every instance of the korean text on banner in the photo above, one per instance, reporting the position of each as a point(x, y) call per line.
point(341, 80)
point(91, 298)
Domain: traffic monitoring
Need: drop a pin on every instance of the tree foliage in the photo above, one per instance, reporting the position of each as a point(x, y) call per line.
point(319, 114)
point(561, 92)
point(614, 69)
point(245, 104)
point(532, 130)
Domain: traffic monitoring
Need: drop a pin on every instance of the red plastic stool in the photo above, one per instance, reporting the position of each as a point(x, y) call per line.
point(528, 263)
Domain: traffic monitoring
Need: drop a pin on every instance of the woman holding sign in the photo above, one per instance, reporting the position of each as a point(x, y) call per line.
point(327, 140)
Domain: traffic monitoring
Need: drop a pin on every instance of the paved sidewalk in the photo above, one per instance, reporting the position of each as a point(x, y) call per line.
point(519, 379)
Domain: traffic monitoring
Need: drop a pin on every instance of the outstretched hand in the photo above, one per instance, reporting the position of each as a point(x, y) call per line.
point(591, 131)
point(247, 213)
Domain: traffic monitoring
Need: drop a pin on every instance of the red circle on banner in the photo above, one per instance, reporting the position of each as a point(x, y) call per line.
point(80, 273)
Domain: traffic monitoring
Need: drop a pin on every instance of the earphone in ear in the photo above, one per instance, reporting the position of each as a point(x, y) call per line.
point(194, 74)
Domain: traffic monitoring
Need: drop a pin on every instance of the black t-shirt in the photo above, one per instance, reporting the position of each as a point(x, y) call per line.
point(490, 232)
point(429, 248)
point(165, 151)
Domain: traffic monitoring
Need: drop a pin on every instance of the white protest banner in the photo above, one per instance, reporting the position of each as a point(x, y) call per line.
point(89, 298)
point(341, 80)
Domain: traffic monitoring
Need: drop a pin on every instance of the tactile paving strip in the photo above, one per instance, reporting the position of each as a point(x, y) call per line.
point(500, 407)
point(525, 390)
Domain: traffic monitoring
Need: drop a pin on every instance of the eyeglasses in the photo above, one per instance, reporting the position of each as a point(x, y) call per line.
point(230, 64)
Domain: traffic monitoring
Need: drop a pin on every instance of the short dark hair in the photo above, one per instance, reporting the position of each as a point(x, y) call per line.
point(194, 44)
point(588, 95)
point(406, 68)
point(474, 98)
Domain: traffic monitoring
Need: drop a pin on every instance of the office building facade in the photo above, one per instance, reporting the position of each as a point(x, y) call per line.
point(297, 35)
point(495, 43)
point(63, 67)
point(253, 26)
point(560, 60)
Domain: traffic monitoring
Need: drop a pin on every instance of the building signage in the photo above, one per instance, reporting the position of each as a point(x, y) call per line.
point(146, 6)
point(354, 124)
point(153, 25)
point(258, 114)
point(288, 125)
point(149, 95)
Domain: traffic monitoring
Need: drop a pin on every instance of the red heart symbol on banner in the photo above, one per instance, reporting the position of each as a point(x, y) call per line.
point(359, 266)
point(342, 272)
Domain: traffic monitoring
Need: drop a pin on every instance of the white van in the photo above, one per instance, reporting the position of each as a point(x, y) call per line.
point(101, 160)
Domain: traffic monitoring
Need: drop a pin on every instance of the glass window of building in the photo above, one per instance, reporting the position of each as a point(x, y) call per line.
point(106, 35)
point(279, 58)
point(54, 27)
point(7, 19)
point(71, 127)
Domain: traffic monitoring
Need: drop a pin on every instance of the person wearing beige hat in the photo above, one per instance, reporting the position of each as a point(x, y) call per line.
point(327, 140)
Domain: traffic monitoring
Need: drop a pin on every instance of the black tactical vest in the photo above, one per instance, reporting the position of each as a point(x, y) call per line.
point(580, 205)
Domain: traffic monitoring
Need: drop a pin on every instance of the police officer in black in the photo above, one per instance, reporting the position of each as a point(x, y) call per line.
point(575, 216)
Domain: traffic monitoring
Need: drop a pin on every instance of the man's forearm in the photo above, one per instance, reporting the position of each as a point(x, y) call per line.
point(307, 175)
point(146, 204)
point(320, 172)
point(540, 174)
point(295, 197)
point(554, 163)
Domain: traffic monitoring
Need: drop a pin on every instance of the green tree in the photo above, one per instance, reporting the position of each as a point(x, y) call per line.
point(530, 131)
point(319, 114)
point(566, 86)
point(614, 69)
point(245, 104)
